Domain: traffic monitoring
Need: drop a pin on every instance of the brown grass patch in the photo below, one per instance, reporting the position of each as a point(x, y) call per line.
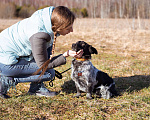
point(124, 53)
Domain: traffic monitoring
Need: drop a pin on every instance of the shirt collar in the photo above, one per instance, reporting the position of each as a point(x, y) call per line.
point(46, 15)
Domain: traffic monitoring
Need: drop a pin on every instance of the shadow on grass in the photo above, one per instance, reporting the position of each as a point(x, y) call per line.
point(132, 83)
point(123, 84)
point(69, 87)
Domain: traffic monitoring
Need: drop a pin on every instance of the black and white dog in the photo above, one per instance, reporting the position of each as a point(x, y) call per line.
point(87, 78)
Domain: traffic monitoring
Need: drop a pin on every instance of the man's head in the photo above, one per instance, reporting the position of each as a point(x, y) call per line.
point(62, 20)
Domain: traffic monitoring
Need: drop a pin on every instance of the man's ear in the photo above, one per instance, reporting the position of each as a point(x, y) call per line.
point(93, 50)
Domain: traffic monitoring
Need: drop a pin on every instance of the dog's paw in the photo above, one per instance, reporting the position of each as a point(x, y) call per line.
point(77, 95)
point(89, 96)
point(107, 95)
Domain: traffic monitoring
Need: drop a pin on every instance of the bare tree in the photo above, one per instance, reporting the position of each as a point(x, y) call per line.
point(97, 8)
point(102, 9)
point(121, 8)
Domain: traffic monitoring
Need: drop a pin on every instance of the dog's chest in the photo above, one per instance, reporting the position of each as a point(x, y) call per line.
point(83, 73)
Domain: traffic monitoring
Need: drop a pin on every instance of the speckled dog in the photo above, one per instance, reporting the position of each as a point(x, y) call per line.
point(87, 78)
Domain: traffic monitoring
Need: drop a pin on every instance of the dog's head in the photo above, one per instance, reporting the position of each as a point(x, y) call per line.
point(87, 49)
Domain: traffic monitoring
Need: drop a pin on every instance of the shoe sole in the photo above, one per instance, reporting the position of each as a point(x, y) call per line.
point(40, 95)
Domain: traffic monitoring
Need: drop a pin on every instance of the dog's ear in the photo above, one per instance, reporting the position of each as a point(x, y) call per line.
point(92, 50)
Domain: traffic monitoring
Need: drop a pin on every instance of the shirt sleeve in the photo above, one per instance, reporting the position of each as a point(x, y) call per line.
point(39, 50)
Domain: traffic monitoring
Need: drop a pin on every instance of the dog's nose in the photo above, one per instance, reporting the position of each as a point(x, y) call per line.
point(73, 45)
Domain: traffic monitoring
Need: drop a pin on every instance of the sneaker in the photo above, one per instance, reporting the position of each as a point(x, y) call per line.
point(4, 96)
point(5, 84)
point(40, 90)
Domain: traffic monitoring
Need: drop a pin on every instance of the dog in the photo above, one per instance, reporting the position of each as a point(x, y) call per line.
point(88, 78)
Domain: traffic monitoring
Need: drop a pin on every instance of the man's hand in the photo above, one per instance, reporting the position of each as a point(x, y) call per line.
point(73, 53)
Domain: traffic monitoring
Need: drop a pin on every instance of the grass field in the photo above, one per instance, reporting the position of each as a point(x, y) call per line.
point(123, 52)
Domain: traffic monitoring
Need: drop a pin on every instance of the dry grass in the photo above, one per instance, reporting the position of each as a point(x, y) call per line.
point(124, 53)
point(115, 36)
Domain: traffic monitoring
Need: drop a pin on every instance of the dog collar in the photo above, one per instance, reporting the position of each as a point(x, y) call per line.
point(81, 59)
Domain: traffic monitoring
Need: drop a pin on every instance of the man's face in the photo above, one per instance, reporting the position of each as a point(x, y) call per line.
point(66, 30)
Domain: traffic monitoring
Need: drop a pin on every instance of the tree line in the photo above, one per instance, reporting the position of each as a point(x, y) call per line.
point(81, 8)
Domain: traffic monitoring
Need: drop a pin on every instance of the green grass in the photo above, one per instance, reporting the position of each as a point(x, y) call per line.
point(132, 104)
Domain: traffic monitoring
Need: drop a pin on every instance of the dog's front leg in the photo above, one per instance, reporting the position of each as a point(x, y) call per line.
point(78, 91)
point(89, 91)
